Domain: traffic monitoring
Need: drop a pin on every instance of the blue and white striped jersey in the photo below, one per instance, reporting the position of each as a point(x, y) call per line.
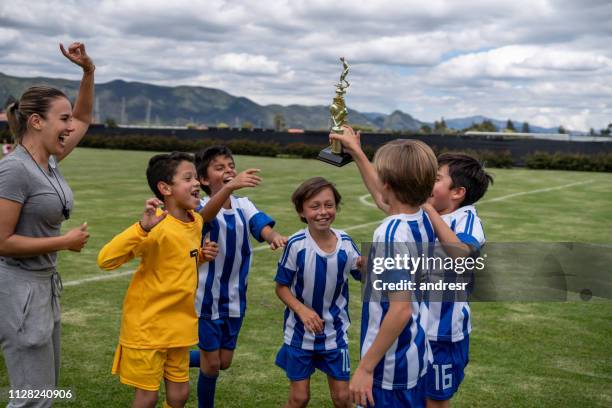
point(450, 321)
point(406, 360)
point(320, 281)
point(222, 283)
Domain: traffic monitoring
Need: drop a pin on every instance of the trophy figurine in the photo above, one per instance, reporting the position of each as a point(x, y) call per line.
point(333, 154)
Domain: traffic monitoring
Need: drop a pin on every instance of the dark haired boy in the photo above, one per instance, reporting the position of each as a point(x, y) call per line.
point(221, 295)
point(461, 181)
point(312, 281)
point(159, 323)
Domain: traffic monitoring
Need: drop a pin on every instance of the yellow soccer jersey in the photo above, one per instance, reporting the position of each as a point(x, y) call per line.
point(159, 308)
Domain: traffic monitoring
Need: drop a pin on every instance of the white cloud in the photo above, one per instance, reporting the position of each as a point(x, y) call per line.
point(546, 61)
point(245, 64)
point(519, 62)
point(8, 36)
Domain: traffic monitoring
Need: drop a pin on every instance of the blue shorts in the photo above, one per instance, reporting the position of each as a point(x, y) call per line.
point(412, 398)
point(218, 334)
point(300, 364)
point(446, 373)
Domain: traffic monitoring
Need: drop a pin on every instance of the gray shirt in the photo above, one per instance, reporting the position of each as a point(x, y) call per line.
point(41, 212)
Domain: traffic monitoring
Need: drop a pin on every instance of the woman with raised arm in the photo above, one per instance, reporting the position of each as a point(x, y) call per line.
point(34, 201)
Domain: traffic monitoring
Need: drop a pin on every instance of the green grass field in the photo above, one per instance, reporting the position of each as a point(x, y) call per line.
point(521, 354)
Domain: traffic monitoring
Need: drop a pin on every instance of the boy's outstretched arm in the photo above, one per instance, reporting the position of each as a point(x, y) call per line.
point(351, 142)
point(312, 322)
point(273, 238)
point(247, 178)
point(455, 247)
point(398, 315)
point(123, 247)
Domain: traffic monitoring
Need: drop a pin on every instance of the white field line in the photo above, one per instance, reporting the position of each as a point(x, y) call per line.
point(98, 278)
point(541, 190)
point(363, 200)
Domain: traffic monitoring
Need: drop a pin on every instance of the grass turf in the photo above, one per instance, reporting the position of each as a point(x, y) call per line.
point(521, 354)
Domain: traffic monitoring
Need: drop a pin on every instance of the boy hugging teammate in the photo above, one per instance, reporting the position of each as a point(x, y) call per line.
point(461, 182)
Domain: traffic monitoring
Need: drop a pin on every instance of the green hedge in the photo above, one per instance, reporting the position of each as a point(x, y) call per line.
point(570, 161)
point(165, 143)
point(251, 147)
point(239, 146)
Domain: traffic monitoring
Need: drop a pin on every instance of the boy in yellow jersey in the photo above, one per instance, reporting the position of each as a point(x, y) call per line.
point(159, 323)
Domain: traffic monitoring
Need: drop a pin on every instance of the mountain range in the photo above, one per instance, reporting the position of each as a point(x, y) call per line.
point(138, 103)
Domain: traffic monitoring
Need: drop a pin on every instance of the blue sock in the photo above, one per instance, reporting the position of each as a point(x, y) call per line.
point(194, 358)
point(206, 391)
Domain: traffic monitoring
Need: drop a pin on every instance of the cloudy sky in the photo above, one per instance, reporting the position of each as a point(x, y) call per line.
point(548, 62)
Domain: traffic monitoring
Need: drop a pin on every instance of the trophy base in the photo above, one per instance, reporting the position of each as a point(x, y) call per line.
point(338, 160)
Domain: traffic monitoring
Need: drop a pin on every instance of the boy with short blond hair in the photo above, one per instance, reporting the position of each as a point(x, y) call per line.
point(394, 347)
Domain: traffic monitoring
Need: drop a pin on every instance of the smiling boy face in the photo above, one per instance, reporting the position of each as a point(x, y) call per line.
point(221, 170)
point(319, 211)
point(185, 187)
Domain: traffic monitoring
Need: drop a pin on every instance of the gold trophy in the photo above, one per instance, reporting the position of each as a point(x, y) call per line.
point(333, 154)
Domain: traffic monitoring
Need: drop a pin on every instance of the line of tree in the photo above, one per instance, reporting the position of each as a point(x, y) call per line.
point(607, 131)
point(486, 126)
point(525, 128)
point(439, 127)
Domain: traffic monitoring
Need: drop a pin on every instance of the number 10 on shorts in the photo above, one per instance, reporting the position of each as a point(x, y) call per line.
point(346, 362)
point(443, 376)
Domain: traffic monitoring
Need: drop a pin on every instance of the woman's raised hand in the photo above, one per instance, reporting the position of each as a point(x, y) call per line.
point(77, 54)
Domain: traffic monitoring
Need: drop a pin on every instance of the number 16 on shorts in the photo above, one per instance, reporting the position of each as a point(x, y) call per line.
point(444, 376)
